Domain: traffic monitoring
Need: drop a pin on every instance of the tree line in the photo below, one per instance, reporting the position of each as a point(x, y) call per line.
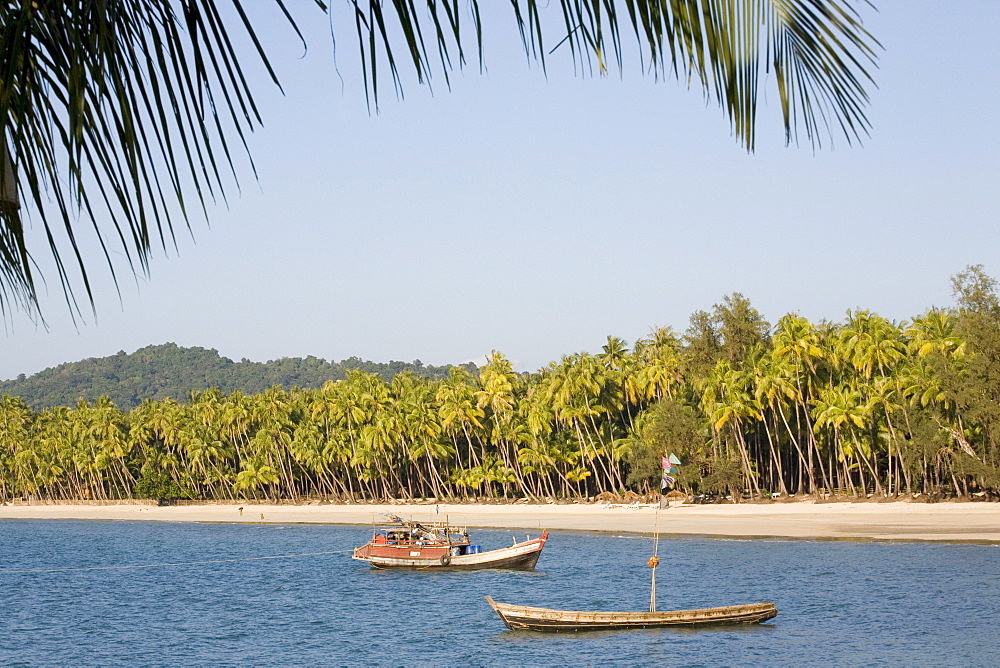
point(172, 371)
point(862, 407)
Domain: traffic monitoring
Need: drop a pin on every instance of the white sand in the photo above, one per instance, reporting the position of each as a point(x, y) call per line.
point(949, 521)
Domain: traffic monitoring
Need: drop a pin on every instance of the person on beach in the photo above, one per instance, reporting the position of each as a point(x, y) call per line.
point(241, 511)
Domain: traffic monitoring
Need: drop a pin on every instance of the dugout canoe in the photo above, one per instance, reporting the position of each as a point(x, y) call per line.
point(522, 617)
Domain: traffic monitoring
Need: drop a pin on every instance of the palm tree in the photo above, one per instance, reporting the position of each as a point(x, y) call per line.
point(938, 358)
point(798, 344)
point(613, 353)
point(459, 412)
point(871, 343)
point(771, 389)
point(845, 411)
point(256, 473)
point(15, 424)
point(103, 425)
point(130, 112)
point(727, 398)
point(497, 380)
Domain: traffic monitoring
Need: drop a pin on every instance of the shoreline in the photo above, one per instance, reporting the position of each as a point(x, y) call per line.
point(898, 521)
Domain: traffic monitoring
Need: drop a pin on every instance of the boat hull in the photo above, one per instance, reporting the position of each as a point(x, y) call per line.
point(521, 617)
point(521, 556)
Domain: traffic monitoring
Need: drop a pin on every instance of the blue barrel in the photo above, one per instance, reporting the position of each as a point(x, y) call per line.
point(472, 549)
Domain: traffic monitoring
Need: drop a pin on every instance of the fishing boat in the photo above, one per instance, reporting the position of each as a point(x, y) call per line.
point(438, 545)
point(522, 617)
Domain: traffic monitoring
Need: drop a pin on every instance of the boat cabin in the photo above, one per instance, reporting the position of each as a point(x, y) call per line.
point(430, 539)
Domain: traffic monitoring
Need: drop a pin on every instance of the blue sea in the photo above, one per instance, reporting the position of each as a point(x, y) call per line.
point(840, 603)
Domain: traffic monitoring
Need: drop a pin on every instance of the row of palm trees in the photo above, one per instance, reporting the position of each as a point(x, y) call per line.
point(862, 407)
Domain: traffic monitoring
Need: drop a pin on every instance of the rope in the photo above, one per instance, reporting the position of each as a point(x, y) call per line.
point(177, 563)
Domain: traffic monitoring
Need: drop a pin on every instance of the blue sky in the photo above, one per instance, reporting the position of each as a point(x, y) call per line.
point(537, 215)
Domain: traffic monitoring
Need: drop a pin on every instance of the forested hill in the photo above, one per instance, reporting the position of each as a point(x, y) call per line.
point(168, 370)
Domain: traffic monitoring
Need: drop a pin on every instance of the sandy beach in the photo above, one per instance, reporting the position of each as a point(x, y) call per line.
point(955, 522)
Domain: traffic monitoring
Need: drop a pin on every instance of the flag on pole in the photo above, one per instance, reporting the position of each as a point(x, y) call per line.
point(669, 464)
point(668, 477)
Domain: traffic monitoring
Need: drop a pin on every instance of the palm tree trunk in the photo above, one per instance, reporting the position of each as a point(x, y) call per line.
point(798, 449)
point(776, 460)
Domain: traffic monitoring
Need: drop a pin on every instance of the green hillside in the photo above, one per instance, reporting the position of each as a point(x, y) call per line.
point(168, 370)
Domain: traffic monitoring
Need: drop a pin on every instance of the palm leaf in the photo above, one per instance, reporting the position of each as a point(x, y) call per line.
point(129, 111)
point(119, 112)
point(818, 50)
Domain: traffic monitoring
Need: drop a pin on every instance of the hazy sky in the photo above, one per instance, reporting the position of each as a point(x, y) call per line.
point(536, 216)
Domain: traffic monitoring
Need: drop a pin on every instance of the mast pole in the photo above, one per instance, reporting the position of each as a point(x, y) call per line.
point(667, 463)
point(654, 560)
point(652, 591)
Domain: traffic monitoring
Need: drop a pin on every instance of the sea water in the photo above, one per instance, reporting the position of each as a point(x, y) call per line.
point(840, 603)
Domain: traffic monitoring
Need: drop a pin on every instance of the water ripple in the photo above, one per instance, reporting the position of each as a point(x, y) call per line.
point(841, 603)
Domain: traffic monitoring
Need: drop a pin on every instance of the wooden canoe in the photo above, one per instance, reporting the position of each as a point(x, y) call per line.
point(522, 617)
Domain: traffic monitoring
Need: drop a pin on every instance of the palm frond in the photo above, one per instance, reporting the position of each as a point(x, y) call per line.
point(128, 111)
point(818, 50)
point(118, 111)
